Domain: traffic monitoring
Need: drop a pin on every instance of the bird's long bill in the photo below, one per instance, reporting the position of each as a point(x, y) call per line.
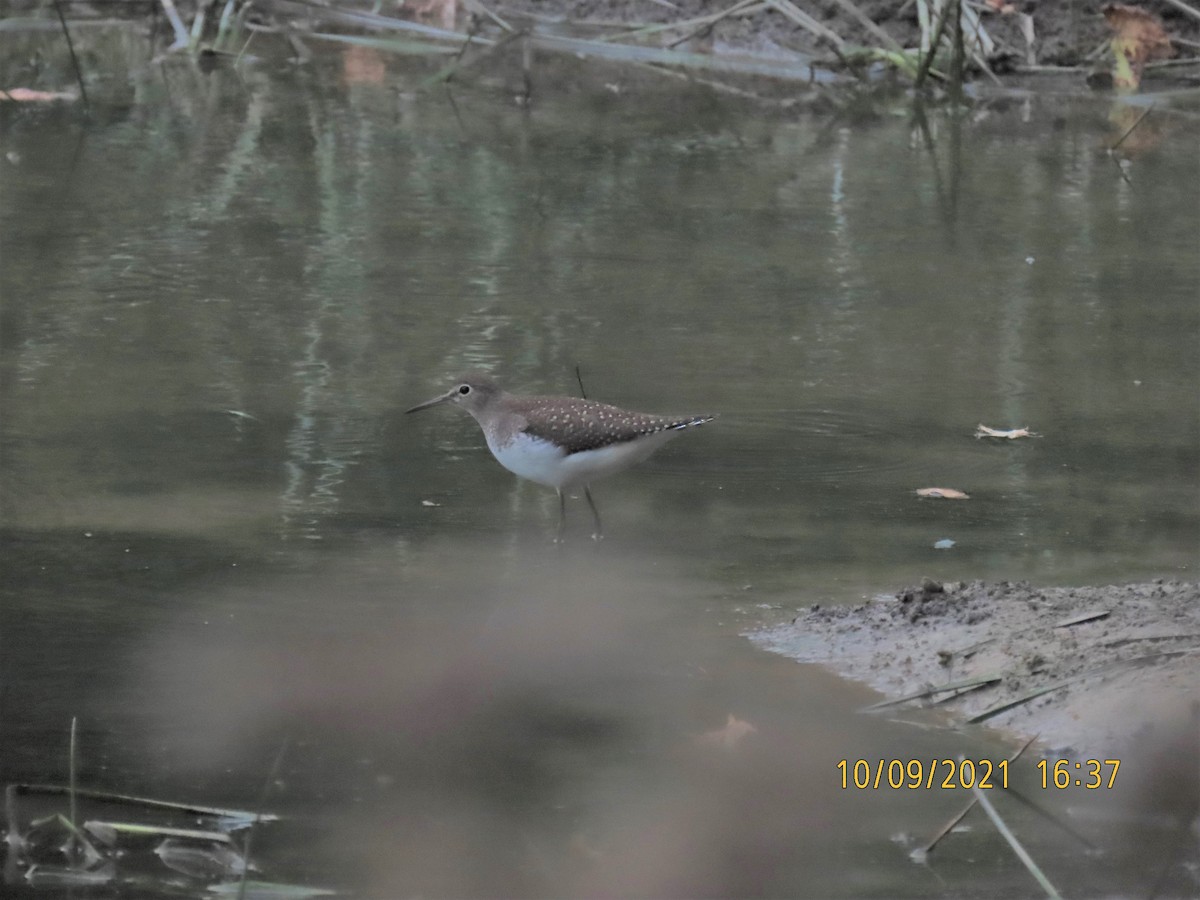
point(428, 403)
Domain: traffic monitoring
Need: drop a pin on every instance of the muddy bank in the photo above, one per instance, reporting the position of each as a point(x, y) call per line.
point(1094, 670)
point(761, 51)
point(1048, 34)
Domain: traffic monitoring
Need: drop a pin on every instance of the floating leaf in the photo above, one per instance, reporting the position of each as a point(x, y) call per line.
point(732, 733)
point(26, 95)
point(210, 861)
point(1139, 37)
point(362, 65)
point(443, 12)
point(982, 431)
point(943, 493)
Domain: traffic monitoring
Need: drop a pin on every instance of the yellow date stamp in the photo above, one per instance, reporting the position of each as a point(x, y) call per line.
point(922, 774)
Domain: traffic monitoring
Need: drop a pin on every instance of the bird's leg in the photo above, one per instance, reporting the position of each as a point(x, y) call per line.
point(598, 534)
point(562, 516)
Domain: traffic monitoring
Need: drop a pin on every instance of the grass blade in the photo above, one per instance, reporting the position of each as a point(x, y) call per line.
point(949, 826)
point(164, 831)
point(391, 45)
point(699, 22)
point(744, 65)
point(1099, 670)
point(149, 803)
point(74, 807)
point(272, 777)
point(979, 682)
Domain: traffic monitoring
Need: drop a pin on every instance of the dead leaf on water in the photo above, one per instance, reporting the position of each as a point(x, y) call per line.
point(982, 431)
point(1138, 38)
point(732, 733)
point(362, 65)
point(201, 860)
point(443, 12)
point(943, 493)
point(26, 95)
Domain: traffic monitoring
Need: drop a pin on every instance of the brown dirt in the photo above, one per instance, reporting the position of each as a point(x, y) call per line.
point(1117, 680)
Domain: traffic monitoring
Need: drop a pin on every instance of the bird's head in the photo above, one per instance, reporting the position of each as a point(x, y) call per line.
point(472, 392)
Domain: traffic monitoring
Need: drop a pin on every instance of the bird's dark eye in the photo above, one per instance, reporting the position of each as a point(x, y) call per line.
point(464, 389)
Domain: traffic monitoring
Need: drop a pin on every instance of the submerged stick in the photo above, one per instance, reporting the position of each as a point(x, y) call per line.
point(526, 72)
point(258, 816)
point(1137, 122)
point(13, 837)
point(1053, 819)
point(72, 804)
point(459, 64)
point(245, 46)
point(949, 826)
point(74, 63)
point(1022, 853)
point(719, 86)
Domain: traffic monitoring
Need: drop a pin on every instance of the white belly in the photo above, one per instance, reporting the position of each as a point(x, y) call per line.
point(543, 462)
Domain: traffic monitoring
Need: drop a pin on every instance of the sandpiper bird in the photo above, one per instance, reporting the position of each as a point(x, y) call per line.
point(561, 442)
